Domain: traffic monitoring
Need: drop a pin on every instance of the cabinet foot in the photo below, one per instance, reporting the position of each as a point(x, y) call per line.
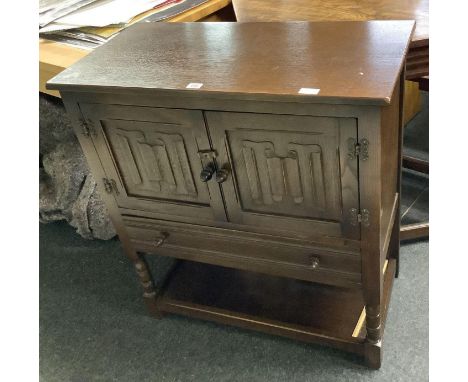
point(373, 354)
point(373, 344)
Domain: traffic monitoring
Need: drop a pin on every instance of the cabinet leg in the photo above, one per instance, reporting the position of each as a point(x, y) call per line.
point(149, 291)
point(373, 345)
point(373, 321)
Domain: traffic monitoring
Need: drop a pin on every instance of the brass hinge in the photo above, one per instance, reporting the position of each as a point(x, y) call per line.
point(87, 127)
point(110, 186)
point(358, 149)
point(359, 217)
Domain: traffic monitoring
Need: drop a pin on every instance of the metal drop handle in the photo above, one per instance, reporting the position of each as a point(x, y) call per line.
point(161, 239)
point(314, 262)
point(207, 172)
point(222, 175)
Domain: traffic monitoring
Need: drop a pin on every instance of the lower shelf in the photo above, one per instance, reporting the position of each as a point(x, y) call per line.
point(414, 231)
point(292, 308)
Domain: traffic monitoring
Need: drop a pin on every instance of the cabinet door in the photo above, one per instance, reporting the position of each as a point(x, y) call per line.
point(152, 157)
point(289, 173)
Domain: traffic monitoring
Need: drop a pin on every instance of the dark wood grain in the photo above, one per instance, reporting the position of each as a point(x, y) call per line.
point(285, 170)
point(303, 189)
point(152, 153)
point(99, 174)
point(349, 60)
point(416, 164)
point(330, 311)
point(294, 309)
point(349, 10)
point(391, 131)
point(271, 255)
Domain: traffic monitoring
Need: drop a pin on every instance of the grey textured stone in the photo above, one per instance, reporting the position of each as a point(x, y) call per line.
point(67, 190)
point(90, 217)
point(54, 124)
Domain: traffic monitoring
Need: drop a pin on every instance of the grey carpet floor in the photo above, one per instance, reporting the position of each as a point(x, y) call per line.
point(94, 327)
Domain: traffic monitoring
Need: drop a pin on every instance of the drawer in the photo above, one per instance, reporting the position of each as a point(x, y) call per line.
point(244, 250)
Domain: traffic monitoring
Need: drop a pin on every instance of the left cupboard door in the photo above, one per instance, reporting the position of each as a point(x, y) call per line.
point(153, 158)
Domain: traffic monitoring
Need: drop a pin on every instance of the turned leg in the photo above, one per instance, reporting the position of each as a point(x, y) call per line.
point(373, 345)
point(149, 291)
point(394, 245)
point(373, 324)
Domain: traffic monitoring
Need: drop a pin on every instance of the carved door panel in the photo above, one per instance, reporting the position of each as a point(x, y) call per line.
point(287, 172)
point(152, 157)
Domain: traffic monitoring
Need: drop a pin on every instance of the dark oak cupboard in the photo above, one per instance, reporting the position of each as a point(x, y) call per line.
point(265, 156)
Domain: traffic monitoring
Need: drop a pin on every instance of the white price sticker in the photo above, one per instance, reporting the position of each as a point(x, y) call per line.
point(309, 91)
point(194, 85)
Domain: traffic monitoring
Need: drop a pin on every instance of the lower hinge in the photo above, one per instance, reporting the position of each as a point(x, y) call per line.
point(110, 186)
point(87, 128)
point(359, 217)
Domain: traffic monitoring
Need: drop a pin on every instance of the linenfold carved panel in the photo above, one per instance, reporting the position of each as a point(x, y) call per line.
point(286, 176)
point(152, 162)
point(273, 176)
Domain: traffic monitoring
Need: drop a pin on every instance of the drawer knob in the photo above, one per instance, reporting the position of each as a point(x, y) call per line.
point(314, 262)
point(222, 175)
point(160, 240)
point(207, 172)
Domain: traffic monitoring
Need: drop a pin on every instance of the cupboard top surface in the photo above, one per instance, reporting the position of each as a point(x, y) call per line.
point(354, 61)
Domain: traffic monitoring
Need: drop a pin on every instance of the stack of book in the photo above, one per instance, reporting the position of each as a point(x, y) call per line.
point(89, 23)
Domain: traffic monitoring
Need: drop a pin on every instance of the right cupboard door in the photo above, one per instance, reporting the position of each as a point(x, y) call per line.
point(288, 173)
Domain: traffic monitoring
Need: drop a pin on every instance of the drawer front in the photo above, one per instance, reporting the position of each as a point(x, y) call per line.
point(245, 251)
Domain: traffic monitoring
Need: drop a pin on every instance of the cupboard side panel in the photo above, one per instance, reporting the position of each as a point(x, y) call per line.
point(390, 153)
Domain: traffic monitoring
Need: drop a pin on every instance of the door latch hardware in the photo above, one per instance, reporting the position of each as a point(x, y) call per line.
point(207, 154)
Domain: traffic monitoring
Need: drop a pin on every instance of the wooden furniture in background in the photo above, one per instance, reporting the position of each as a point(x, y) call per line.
point(421, 229)
point(412, 102)
point(55, 57)
point(338, 10)
point(417, 61)
point(264, 155)
point(417, 71)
